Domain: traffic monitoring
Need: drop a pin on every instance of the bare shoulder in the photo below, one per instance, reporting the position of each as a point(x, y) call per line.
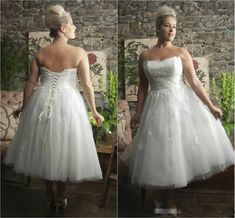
point(80, 52)
point(42, 51)
point(144, 55)
point(183, 53)
point(39, 55)
point(77, 49)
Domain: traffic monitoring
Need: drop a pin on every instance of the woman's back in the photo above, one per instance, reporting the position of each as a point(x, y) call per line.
point(57, 57)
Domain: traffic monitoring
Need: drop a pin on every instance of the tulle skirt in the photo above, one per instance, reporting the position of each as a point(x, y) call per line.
point(178, 141)
point(54, 139)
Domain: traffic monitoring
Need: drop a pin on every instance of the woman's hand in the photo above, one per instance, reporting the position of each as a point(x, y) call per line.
point(17, 112)
point(135, 119)
point(98, 117)
point(216, 112)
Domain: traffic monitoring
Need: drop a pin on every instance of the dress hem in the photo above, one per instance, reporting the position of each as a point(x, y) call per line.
point(201, 177)
point(86, 179)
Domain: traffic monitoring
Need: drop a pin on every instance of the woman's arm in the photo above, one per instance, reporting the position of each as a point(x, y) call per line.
point(31, 82)
point(29, 85)
point(195, 83)
point(143, 86)
point(84, 75)
point(142, 91)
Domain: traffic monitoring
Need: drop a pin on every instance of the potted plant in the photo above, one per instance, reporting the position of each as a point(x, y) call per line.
point(222, 92)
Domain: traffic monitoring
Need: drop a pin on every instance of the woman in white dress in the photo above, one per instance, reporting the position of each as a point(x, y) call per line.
point(180, 138)
point(54, 138)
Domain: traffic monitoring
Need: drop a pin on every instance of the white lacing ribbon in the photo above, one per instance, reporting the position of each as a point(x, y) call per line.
point(45, 111)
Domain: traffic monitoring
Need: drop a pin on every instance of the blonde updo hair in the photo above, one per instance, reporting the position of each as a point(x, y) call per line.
point(163, 12)
point(56, 16)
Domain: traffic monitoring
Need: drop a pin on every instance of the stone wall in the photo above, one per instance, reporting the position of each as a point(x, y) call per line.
point(96, 23)
point(204, 27)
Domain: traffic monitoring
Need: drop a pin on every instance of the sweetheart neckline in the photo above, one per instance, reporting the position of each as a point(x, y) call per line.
point(58, 72)
point(159, 60)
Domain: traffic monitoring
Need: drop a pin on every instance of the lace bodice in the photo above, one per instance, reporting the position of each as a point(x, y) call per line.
point(55, 80)
point(163, 74)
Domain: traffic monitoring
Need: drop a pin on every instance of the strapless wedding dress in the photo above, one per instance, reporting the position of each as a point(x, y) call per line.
point(54, 139)
point(178, 140)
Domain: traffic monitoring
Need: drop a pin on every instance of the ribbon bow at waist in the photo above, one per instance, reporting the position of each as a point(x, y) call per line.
point(46, 112)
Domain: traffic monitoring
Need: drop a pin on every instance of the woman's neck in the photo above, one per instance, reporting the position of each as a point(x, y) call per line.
point(163, 44)
point(60, 40)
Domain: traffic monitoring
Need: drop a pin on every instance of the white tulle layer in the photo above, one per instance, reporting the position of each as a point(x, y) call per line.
point(178, 141)
point(54, 138)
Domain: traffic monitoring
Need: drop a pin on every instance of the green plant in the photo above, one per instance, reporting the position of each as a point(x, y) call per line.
point(121, 74)
point(222, 92)
point(131, 61)
point(14, 63)
point(109, 111)
point(15, 60)
point(128, 64)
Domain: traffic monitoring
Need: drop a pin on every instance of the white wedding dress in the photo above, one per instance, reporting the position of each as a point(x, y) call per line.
point(54, 138)
point(178, 140)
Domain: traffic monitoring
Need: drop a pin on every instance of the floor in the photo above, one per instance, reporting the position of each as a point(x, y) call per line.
point(20, 200)
point(209, 198)
point(193, 203)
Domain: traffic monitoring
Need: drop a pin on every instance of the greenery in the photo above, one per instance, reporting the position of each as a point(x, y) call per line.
point(109, 111)
point(121, 74)
point(223, 94)
point(131, 61)
point(128, 63)
point(14, 62)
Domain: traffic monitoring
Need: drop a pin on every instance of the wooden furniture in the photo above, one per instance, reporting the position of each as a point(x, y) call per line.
point(111, 171)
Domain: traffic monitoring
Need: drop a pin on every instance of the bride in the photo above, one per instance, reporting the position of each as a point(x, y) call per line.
point(180, 138)
point(54, 138)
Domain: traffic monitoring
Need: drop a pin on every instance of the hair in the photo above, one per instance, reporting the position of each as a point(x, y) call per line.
point(56, 16)
point(163, 12)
